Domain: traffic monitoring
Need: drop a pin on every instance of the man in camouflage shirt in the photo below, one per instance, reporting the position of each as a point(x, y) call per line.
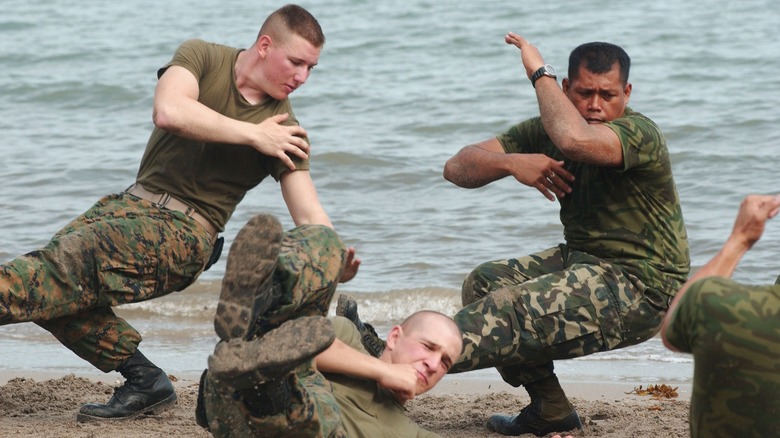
point(625, 252)
point(733, 331)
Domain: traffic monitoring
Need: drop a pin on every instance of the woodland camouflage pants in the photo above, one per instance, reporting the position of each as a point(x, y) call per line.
point(310, 263)
point(122, 250)
point(521, 314)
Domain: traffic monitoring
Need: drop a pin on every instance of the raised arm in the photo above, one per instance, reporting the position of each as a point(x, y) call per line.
point(576, 137)
point(482, 163)
point(177, 110)
point(754, 212)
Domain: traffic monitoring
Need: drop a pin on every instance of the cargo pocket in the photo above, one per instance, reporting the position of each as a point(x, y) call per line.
point(578, 316)
point(642, 316)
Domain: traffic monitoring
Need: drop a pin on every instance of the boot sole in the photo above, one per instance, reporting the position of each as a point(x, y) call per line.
point(243, 364)
point(502, 424)
point(345, 306)
point(155, 409)
point(247, 284)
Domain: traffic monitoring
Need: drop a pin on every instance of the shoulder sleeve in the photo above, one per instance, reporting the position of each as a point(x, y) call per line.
point(277, 167)
point(526, 137)
point(641, 139)
point(193, 55)
point(347, 333)
point(681, 331)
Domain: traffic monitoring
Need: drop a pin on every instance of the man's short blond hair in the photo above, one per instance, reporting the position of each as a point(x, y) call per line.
point(293, 19)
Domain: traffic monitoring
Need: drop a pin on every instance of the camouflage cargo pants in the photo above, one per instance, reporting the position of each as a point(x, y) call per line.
point(521, 314)
point(310, 263)
point(733, 331)
point(122, 250)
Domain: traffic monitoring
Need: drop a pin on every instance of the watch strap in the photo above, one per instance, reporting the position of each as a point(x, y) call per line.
point(541, 71)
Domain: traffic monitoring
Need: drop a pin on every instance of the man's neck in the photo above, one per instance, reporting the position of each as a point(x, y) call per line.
point(245, 63)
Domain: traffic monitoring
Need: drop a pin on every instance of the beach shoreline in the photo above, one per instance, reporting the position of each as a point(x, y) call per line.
point(41, 405)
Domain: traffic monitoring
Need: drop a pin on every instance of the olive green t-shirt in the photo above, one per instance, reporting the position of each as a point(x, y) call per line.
point(212, 177)
point(630, 216)
point(367, 410)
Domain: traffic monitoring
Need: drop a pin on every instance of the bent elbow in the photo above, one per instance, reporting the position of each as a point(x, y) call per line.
point(161, 118)
point(455, 174)
point(568, 145)
point(448, 172)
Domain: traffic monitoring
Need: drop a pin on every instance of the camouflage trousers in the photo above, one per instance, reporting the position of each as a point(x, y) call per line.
point(733, 331)
point(122, 250)
point(521, 314)
point(310, 263)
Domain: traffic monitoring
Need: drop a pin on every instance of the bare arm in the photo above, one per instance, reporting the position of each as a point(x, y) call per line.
point(570, 132)
point(480, 164)
point(301, 198)
point(176, 109)
point(340, 358)
point(753, 214)
point(305, 208)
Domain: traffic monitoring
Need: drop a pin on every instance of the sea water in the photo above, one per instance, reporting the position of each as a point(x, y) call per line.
point(400, 87)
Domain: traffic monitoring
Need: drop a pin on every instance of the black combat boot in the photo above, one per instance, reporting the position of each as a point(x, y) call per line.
point(347, 307)
point(549, 411)
point(146, 391)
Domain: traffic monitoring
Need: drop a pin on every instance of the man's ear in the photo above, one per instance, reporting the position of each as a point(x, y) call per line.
point(263, 43)
point(392, 337)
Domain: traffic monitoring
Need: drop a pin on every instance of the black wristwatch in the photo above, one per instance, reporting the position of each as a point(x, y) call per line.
point(545, 70)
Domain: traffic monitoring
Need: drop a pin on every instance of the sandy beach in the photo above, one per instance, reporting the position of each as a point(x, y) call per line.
point(43, 406)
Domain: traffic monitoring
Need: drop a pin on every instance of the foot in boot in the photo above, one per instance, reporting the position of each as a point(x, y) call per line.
point(530, 420)
point(347, 307)
point(243, 364)
point(147, 391)
point(247, 288)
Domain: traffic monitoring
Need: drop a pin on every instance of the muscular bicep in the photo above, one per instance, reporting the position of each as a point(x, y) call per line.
point(176, 88)
point(177, 80)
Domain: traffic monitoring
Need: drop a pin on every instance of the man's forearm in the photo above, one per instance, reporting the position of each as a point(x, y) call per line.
point(340, 358)
point(473, 167)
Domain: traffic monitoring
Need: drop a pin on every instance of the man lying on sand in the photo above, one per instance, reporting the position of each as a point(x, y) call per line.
point(283, 369)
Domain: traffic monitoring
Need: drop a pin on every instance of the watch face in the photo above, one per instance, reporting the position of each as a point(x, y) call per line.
point(549, 69)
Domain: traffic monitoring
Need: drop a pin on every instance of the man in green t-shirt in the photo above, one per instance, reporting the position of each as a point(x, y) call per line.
point(222, 124)
point(283, 369)
point(625, 252)
point(733, 331)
